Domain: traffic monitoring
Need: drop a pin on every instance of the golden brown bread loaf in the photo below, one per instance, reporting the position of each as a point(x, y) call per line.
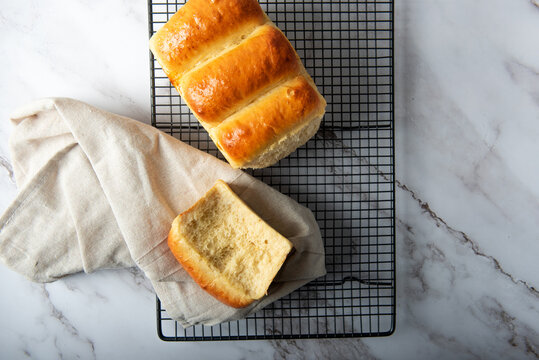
point(226, 248)
point(228, 61)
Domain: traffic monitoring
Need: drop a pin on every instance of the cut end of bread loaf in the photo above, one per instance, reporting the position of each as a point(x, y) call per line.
point(226, 248)
point(226, 59)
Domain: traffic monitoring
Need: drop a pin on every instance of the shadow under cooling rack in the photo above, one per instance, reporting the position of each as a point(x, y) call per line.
point(345, 174)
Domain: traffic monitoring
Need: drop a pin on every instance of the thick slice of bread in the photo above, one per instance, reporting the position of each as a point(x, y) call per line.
point(226, 248)
point(226, 58)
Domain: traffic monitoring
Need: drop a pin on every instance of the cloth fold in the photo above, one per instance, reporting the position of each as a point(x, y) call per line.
point(98, 190)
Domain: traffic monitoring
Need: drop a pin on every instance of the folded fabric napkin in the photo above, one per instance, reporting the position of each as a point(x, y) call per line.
point(98, 190)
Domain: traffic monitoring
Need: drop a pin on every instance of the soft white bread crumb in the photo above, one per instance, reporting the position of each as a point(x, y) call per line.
point(226, 248)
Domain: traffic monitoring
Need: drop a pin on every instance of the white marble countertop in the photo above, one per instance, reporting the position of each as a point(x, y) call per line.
point(467, 130)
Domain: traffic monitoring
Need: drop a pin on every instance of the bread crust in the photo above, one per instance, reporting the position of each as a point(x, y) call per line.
point(238, 76)
point(197, 28)
point(245, 135)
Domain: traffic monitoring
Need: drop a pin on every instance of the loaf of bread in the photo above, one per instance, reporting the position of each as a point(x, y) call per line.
point(226, 248)
point(241, 78)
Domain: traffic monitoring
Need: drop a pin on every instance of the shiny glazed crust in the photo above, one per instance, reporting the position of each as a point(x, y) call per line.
point(197, 30)
point(253, 130)
point(238, 76)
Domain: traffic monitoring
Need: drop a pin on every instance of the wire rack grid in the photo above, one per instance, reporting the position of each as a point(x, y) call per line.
point(345, 174)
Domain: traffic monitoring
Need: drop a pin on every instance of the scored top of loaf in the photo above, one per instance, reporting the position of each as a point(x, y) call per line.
point(226, 248)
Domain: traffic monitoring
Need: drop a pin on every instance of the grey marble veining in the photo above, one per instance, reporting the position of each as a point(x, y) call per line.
point(467, 190)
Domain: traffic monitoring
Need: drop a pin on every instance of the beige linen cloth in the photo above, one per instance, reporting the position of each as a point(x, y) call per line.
point(98, 190)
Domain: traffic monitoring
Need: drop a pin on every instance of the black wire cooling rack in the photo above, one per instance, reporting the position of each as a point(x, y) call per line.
point(345, 174)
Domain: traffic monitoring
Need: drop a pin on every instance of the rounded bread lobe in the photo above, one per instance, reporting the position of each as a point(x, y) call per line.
point(197, 29)
point(232, 80)
point(247, 133)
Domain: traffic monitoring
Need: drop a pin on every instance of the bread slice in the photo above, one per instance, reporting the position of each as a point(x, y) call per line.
point(233, 60)
point(226, 248)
